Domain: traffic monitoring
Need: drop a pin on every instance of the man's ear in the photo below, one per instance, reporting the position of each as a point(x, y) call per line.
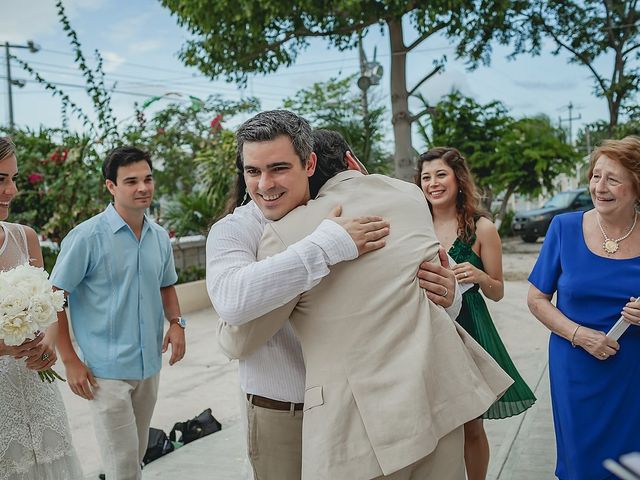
point(310, 167)
point(354, 164)
point(110, 185)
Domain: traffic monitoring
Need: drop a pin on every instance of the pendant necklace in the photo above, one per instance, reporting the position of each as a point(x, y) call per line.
point(611, 245)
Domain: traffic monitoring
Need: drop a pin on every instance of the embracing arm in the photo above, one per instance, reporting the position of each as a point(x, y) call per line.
point(240, 341)
point(242, 288)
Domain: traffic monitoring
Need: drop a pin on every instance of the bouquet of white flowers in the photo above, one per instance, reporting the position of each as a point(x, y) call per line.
point(28, 305)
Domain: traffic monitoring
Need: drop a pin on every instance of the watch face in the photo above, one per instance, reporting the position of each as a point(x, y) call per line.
point(182, 322)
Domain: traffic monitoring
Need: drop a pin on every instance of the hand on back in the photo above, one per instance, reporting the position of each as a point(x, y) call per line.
point(367, 232)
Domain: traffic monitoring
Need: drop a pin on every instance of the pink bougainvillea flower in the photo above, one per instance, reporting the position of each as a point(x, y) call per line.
point(34, 178)
point(216, 123)
point(59, 155)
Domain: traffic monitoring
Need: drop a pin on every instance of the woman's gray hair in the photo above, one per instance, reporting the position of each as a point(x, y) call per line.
point(6, 147)
point(271, 124)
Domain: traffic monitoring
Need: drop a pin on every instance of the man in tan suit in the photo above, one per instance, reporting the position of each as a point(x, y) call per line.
point(390, 379)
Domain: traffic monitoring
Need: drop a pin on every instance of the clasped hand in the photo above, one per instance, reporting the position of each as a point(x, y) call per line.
point(596, 343)
point(466, 273)
point(38, 353)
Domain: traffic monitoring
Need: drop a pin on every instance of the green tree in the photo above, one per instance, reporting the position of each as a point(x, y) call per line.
point(335, 106)
point(239, 37)
point(178, 133)
point(474, 129)
point(594, 133)
point(530, 155)
point(217, 169)
point(595, 33)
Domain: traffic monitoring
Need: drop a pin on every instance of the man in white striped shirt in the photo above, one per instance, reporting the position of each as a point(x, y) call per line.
point(243, 289)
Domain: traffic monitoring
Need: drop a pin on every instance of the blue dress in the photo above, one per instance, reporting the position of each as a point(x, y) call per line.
point(596, 404)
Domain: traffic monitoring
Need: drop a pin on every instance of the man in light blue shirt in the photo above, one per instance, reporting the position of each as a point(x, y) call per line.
point(118, 272)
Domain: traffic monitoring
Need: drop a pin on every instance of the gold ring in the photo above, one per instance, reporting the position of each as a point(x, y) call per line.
point(466, 274)
point(603, 355)
point(44, 356)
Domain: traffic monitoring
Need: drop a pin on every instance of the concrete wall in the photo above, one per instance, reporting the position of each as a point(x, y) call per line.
point(193, 296)
point(189, 251)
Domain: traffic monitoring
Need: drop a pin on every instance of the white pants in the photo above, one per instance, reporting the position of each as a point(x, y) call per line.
point(122, 411)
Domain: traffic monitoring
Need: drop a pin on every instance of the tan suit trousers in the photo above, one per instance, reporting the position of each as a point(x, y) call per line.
point(446, 462)
point(274, 443)
point(122, 411)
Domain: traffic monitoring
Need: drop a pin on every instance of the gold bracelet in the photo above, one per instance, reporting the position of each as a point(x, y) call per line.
point(573, 337)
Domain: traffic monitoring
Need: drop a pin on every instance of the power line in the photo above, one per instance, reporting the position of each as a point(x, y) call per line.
point(84, 87)
point(145, 82)
point(354, 59)
point(186, 82)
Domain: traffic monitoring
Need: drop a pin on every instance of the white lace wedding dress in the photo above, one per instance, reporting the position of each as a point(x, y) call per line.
point(35, 442)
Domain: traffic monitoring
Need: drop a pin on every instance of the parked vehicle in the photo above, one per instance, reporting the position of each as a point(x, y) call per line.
point(531, 224)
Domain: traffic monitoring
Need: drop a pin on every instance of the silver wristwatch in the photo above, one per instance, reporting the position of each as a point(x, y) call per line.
point(180, 321)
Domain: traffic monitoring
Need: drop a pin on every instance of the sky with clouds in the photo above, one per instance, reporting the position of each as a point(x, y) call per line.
point(139, 42)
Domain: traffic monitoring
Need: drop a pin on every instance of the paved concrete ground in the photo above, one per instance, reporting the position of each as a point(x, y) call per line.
point(522, 447)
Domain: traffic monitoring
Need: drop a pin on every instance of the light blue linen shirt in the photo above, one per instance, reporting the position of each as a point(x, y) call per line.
point(114, 283)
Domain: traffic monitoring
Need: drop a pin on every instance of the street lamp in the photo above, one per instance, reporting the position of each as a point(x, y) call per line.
point(371, 75)
point(33, 48)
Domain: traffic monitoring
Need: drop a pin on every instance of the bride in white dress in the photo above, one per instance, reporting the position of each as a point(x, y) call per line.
point(35, 442)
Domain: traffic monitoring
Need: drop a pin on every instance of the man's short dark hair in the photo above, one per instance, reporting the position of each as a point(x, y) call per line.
point(271, 124)
point(331, 149)
point(120, 157)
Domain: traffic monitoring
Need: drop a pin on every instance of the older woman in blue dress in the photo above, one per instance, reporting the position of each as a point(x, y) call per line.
point(591, 261)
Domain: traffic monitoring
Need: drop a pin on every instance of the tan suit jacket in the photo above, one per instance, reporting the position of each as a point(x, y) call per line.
point(388, 372)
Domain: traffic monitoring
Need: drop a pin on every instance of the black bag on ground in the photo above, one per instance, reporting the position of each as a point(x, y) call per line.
point(158, 445)
point(198, 427)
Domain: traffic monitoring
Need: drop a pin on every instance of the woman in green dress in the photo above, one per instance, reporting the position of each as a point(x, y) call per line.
point(464, 229)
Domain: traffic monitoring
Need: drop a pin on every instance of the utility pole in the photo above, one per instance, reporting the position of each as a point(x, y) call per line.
point(33, 48)
point(370, 74)
point(364, 99)
point(570, 119)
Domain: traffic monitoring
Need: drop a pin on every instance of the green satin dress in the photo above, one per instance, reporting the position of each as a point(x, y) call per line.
point(475, 319)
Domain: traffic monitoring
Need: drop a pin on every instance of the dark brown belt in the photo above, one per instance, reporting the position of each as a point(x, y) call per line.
point(264, 402)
